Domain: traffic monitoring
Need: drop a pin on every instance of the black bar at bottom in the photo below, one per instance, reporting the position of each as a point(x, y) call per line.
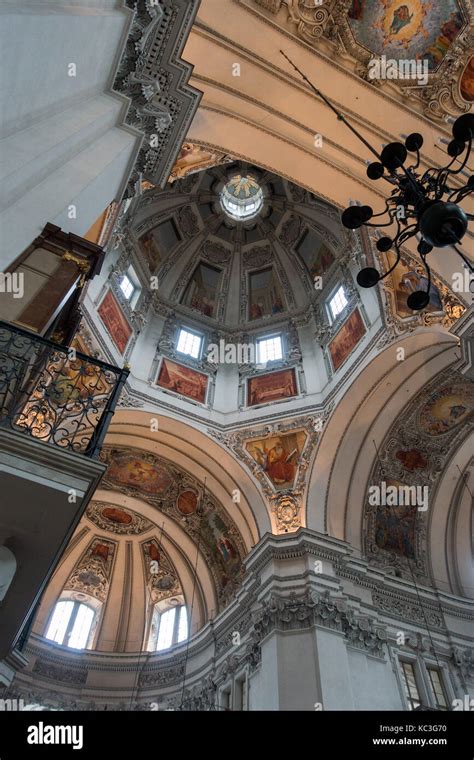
point(90, 734)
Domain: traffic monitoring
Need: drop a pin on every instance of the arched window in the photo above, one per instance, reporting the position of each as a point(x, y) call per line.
point(71, 624)
point(169, 627)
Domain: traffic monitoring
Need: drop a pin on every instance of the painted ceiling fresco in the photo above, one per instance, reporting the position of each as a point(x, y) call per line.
point(92, 573)
point(117, 520)
point(447, 408)
point(182, 498)
point(438, 32)
point(409, 29)
point(164, 583)
point(278, 456)
point(414, 454)
point(467, 81)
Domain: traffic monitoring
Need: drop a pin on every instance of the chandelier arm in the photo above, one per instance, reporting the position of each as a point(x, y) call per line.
point(418, 159)
point(414, 184)
point(399, 229)
point(385, 211)
point(411, 189)
point(428, 172)
point(461, 192)
point(429, 177)
point(369, 224)
point(466, 260)
point(441, 183)
point(442, 178)
point(410, 213)
point(466, 159)
point(397, 248)
point(428, 272)
point(446, 168)
point(407, 233)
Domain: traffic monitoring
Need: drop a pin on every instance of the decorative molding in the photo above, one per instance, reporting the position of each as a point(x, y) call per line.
point(154, 76)
point(115, 523)
point(327, 28)
point(285, 505)
point(188, 221)
point(400, 459)
point(464, 661)
point(164, 582)
point(57, 672)
point(321, 609)
point(407, 610)
point(215, 253)
point(93, 571)
point(226, 575)
point(286, 509)
point(257, 256)
point(364, 609)
point(128, 400)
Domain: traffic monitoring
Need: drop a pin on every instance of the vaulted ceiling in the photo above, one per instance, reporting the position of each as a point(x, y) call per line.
point(256, 107)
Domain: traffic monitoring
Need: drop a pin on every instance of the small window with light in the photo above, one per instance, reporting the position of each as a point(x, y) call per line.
point(169, 627)
point(410, 684)
point(130, 286)
point(189, 343)
point(71, 624)
point(437, 686)
point(337, 303)
point(269, 349)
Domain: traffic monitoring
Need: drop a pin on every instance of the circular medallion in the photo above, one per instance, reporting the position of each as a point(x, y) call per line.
point(187, 502)
point(116, 515)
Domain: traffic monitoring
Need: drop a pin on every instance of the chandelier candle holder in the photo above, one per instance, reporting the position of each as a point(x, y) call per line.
point(422, 204)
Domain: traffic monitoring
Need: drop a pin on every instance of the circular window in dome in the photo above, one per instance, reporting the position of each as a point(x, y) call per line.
point(242, 197)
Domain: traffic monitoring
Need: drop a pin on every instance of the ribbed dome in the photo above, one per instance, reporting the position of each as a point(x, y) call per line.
point(235, 245)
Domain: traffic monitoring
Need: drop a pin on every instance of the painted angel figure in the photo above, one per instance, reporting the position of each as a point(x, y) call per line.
point(261, 457)
point(401, 17)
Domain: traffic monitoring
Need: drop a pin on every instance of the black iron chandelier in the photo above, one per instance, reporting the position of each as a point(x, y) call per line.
point(420, 204)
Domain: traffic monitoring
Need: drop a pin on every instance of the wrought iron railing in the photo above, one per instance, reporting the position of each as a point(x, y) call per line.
point(55, 394)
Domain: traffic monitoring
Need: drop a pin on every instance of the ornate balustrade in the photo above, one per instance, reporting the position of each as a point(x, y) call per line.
point(54, 393)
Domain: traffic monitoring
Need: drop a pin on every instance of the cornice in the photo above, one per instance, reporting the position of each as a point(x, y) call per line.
point(154, 78)
point(139, 399)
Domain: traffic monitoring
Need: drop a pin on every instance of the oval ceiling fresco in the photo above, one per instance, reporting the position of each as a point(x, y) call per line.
point(178, 495)
point(407, 29)
point(447, 409)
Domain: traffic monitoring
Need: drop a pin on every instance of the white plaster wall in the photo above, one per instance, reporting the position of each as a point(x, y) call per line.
point(264, 684)
point(334, 670)
point(298, 671)
point(61, 138)
point(373, 682)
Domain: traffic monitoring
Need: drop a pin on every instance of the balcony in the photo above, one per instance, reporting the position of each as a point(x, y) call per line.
point(55, 394)
point(55, 408)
